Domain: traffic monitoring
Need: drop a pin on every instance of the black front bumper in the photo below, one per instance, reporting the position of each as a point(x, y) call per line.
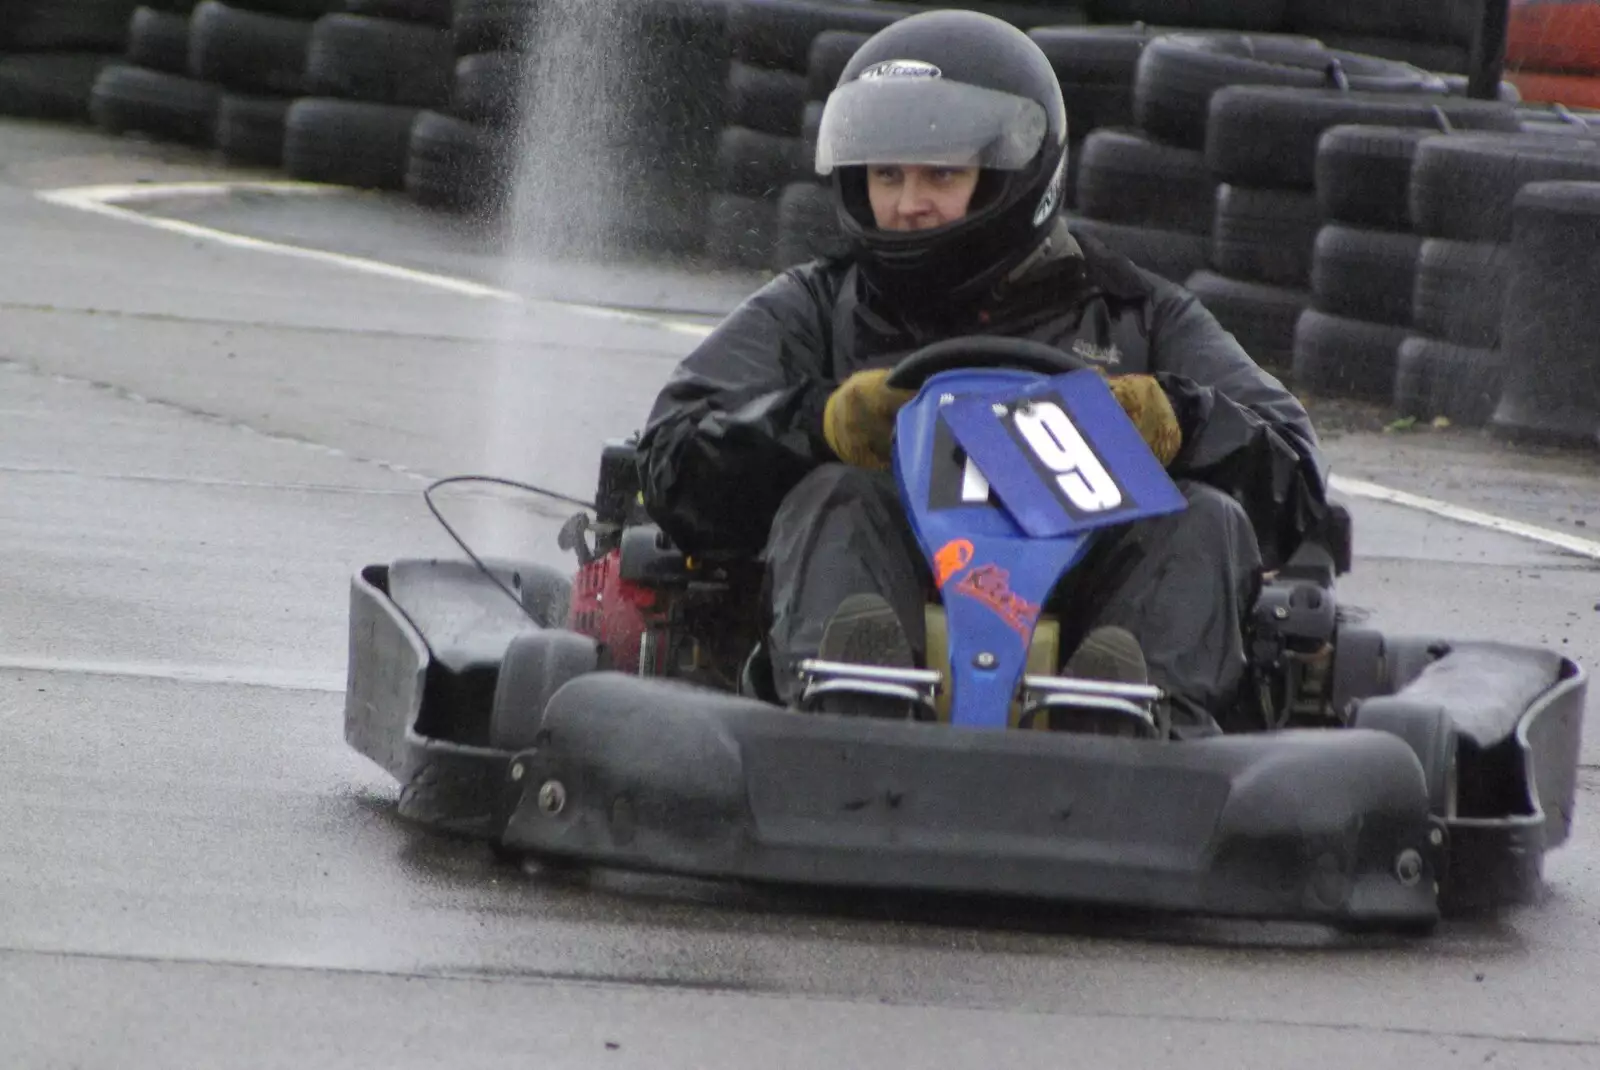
point(1326, 826)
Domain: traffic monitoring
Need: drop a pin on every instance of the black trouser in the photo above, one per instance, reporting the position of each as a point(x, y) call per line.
point(1182, 584)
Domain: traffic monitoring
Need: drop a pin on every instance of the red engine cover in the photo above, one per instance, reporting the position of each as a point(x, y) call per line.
point(611, 610)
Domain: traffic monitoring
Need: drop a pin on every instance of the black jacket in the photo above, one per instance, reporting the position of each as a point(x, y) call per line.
point(739, 422)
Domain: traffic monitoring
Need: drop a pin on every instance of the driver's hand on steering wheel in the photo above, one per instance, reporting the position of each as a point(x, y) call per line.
point(859, 419)
point(1148, 406)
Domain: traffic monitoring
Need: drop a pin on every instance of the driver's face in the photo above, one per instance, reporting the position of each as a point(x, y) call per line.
point(916, 197)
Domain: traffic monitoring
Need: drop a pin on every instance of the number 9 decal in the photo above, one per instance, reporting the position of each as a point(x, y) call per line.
point(1061, 448)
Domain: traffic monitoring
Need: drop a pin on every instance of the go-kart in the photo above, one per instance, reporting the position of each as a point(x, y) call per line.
point(618, 717)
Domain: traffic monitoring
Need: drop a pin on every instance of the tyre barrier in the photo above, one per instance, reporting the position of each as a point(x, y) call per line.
point(1313, 172)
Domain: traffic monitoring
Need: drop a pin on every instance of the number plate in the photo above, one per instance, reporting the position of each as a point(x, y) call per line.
point(1060, 455)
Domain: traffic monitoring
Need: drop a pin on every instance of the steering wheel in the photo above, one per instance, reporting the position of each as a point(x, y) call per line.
point(982, 351)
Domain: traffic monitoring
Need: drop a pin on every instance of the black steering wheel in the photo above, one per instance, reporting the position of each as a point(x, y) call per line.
point(982, 351)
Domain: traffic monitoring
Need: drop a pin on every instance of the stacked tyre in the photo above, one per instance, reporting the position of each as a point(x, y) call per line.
point(372, 67)
point(1347, 341)
point(762, 149)
point(1551, 387)
point(459, 158)
point(52, 51)
point(1252, 104)
point(807, 226)
point(1469, 285)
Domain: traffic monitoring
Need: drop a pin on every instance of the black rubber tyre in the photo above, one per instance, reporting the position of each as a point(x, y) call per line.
point(1460, 291)
point(826, 60)
point(1095, 66)
point(1365, 274)
point(545, 592)
point(1124, 177)
point(808, 226)
point(247, 51)
point(169, 107)
point(348, 142)
point(1261, 317)
point(1178, 73)
point(1440, 58)
point(1265, 235)
point(488, 88)
point(1431, 735)
point(1268, 135)
point(767, 101)
point(379, 61)
point(427, 12)
point(536, 665)
point(752, 164)
point(1551, 317)
point(1434, 378)
point(50, 85)
point(1447, 21)
point(1221, 14)
point(1464, 187)
point(159, 40)
point(1172, 254)
point(491, 26)
point(1363, 174)
point(65, 25)
point(250, 129)
point(741, 231)
point(460, 167)
point(777, 34)
point(1339, 357)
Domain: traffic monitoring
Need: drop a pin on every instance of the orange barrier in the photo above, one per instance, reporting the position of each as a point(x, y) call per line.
point(1573, 90)
point(1557, 36)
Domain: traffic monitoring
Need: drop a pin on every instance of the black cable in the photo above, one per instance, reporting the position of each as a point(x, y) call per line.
point(427, 496)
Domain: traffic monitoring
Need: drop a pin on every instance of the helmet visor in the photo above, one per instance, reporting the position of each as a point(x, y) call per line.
point(927, 121)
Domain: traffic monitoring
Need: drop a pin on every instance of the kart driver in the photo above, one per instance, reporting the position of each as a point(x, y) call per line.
point(946, 140)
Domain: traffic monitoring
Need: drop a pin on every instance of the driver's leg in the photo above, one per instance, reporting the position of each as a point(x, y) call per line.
point(842, 532)
point(1183, 585)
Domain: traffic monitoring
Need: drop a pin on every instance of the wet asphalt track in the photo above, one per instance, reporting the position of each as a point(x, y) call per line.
point(199, 444)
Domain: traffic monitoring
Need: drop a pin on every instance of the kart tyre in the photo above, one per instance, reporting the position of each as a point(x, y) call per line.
point(546, 594)
point(1464, 187)
point(250, 129)
point(488, 88)
point(1431, 734)
point(246, 51)
point(379, 61)
point(1335, 356)
point(536, 665)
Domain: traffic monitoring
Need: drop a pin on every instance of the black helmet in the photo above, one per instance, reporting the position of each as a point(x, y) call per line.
point(942, 88)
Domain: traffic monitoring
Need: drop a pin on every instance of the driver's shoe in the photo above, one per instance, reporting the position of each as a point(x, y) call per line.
point(865, 630)
point(1113, 655)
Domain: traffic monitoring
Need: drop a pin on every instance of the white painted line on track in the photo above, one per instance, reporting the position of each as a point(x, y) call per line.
point(1573, 544)
point(329, 683)
point(107, 201)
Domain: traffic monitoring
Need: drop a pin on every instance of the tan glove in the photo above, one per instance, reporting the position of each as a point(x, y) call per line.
point(858, 421)
point(1148, 406)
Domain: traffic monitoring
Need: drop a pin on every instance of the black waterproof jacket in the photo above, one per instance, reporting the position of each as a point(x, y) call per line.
point(739, 422)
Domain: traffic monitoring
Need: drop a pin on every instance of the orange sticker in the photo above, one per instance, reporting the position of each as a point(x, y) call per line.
point(952, 557)
point(991, 585)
